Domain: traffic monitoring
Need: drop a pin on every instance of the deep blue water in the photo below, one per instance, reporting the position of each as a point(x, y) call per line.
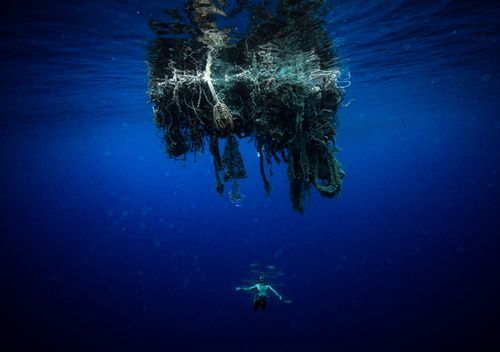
point(106, 244)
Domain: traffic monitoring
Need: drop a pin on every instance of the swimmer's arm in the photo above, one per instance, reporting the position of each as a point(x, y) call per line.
point(276, 293)
point(246, 288)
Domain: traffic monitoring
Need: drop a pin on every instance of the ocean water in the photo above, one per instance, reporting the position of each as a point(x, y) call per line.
point(109, 245)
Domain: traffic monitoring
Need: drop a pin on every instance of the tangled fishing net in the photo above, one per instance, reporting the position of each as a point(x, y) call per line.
point(275, 83)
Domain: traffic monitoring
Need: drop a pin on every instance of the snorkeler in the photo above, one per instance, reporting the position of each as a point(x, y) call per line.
point(260, 299)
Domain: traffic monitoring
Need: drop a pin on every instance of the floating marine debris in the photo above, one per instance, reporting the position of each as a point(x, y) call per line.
point(273, 83)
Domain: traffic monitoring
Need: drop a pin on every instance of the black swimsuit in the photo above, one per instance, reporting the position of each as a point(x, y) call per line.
point(259, 301)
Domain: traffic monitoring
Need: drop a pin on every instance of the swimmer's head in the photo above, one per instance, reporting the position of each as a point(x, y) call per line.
point(261, 279)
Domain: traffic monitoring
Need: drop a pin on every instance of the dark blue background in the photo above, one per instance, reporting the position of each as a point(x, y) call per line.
point(106, 244)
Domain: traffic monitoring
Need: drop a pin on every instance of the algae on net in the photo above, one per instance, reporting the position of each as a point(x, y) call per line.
point(275, 84)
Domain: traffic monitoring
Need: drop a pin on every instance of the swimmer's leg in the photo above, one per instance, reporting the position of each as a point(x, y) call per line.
point(255, 305)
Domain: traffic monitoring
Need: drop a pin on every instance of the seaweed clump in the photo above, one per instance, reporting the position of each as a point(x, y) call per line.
point(275, 83)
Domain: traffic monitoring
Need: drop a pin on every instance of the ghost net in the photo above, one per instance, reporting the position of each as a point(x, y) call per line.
point(275, 84)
